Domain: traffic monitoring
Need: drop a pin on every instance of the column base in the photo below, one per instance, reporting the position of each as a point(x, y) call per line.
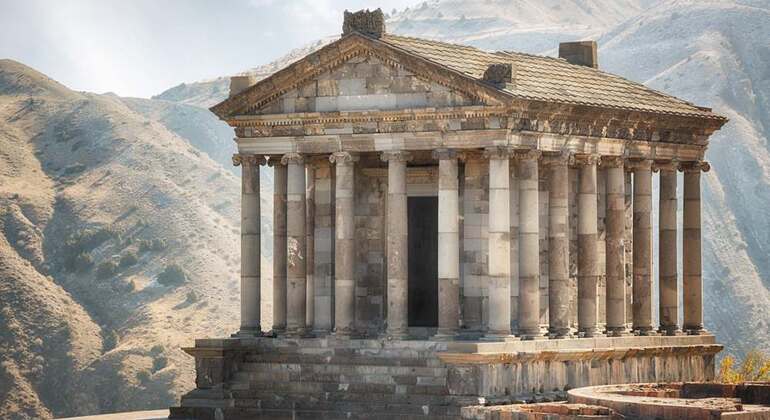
point(558, 333)
point(248, 332)
point(696, 331)
point(590, 333)
point(672, 330)
point(645, 331)
point(617, 332)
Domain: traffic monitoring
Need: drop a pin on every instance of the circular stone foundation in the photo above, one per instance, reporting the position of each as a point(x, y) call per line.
point(680, 400)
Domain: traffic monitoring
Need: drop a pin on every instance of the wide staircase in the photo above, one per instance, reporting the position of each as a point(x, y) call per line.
point(320, 379)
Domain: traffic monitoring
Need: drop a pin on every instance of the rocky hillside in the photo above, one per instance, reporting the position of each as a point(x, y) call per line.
point(118, 245)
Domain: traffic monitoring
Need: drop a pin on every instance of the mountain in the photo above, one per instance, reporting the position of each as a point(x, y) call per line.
point(99, 206)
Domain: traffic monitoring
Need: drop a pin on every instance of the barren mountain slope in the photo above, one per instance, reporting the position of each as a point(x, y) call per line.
point(717, 54)
point(96, 201)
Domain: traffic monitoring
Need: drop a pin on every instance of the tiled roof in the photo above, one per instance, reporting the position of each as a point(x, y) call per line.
point(551, 79)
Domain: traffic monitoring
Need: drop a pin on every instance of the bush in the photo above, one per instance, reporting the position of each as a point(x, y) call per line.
point(111, 340)
point(128, 259)
point(754, 367)
point(82, 262)
point(156, 244)
point(106, 270)
point(159, 363)
point(84, 241)
point(172, 275)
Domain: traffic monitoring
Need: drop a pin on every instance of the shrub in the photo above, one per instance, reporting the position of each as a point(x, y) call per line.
point(82, 262)
point(755, 366)
point(74, 169)
point(106, 270)
point(128, 259)
point(159, 363)
point(143, 376)
point(172, 275)
point(156, 244)
point(111, 340)
point(84, 241)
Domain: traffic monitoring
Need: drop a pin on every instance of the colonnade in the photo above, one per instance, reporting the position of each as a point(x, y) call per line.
point(290, 258)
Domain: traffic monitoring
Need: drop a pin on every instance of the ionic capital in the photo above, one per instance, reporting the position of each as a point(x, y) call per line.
point(396, 156)
point(527, 154)
point(342, 158)
point(444, 154)
point(586, 159)
point(611, 161)
point(694, 166)
point(639, 164)
point(665, 165)
point(558, 159)
point(498, 152)
point(292, 157)
point(275, 160)
point(248, 160)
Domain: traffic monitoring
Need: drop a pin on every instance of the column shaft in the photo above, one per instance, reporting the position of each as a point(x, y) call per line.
point(344, 245)
point(323, 247)
point(615, 246)
point(558, 248)
point(250, 245)
point(448, 244)
point(279, 245)
point(529, 243)
point(692, 281)
point(296, 250)
point(588, 267)
point(310, 244)
point(667, 261)
point(642, 288)
point(499, 259)
point(398, 251)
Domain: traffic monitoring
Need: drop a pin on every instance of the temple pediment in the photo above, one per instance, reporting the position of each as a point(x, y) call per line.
point(367, 82)
point(361, 73)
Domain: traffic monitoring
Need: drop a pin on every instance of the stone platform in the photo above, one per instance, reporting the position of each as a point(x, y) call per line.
point(241, 378)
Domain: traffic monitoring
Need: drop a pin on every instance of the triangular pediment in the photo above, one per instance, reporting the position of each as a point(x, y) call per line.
point(358, 73)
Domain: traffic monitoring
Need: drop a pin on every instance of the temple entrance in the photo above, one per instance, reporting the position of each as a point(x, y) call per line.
point(423, 261)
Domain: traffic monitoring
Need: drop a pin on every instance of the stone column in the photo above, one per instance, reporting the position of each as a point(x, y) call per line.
point(642, 288)
point(529, 242)
point(615, 246)
point(279, 245)
point(448, 243)
point(558, 246)
point(323, 247)
point(692, 284)
point(250, 245)
point(398, 251)
point(499, 260)
point(667, 262)
point(344, 245)
point(310, 244)
point(296, 252)
point(588, 264)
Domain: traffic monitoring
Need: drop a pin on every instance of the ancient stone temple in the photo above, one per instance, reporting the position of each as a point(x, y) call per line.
point(455, 226)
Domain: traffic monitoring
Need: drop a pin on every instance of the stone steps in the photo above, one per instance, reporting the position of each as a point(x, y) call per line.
point(359, 359)
point(315, 387)
point(416, 399)
point(296, 402)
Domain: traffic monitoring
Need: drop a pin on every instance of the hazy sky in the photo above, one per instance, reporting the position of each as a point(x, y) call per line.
point(142, 47)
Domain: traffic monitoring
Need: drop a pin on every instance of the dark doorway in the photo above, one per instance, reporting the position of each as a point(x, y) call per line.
point(423, 261)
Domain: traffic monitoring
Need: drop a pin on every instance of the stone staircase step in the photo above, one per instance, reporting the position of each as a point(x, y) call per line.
point(345, 360)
